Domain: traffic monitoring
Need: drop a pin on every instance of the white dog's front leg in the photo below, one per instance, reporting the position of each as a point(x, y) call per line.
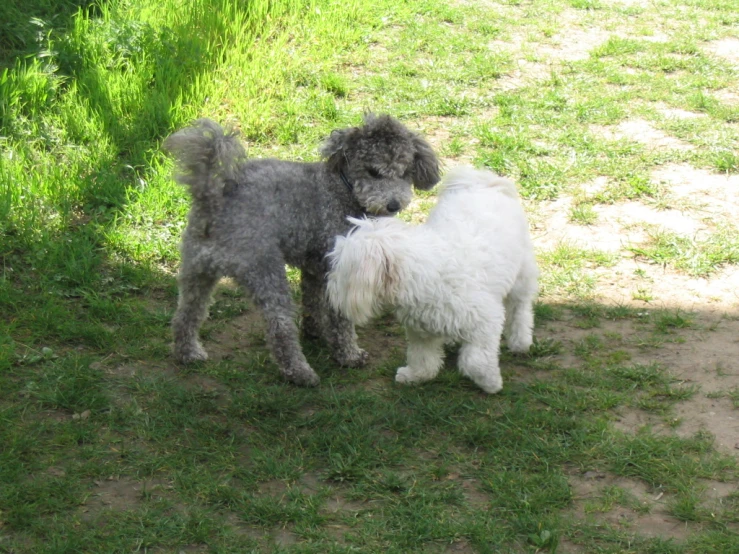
point(425, 357)
point(480, 363)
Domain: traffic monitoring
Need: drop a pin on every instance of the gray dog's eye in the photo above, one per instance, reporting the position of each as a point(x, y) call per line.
point(373, 172)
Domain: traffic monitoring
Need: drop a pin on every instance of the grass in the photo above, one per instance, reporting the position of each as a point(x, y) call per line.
point(695, 257)
point(108, 447)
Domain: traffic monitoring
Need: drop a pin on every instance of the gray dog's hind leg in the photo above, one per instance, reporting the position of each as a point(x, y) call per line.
point(265, 280)
point(320, 320)
point(341, 338)
point(195, 287)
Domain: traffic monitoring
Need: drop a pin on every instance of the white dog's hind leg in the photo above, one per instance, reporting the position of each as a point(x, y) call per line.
point(478, 357)
point(519, 304)
point(480, 363)
point(425, 357)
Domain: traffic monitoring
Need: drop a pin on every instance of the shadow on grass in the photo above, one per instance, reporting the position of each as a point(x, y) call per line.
point(24, 25)
point(432, 463)
point(135, 82)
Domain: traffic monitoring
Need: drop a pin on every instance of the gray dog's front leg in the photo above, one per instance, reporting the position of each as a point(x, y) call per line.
point(282, 338)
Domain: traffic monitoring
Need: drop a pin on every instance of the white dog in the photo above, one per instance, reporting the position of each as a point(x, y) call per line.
point(466, 276)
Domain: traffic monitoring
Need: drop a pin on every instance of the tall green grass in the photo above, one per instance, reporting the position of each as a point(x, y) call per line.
point(82, 119)
point(88, 209)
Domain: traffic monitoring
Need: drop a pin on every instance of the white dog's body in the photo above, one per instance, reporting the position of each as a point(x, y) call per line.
point(467, 275)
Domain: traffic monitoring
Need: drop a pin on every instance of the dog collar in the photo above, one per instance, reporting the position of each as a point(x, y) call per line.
point(346, 181)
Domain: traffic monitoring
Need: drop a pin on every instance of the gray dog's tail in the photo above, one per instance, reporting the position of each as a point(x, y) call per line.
point(206, 157)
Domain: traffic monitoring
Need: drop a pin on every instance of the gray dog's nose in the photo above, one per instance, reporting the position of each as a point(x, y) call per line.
point(393, 206)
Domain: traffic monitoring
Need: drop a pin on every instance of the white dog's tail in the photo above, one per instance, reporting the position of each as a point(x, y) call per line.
point(206, 158)
point(363, 269)
point(466, 178)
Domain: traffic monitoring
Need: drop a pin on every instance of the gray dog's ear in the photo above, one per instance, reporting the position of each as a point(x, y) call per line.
point(425, 165)
point(334, 147)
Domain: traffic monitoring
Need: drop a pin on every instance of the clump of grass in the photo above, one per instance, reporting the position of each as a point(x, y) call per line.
point(583, 213)
point(565, 269)
point(726, 161)
point(666, 321)
point(695, 257)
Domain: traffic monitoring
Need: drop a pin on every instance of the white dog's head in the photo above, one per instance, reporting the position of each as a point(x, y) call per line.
point(364, 268)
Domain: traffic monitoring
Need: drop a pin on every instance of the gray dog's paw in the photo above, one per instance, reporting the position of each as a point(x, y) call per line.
point(190, 354)
point(303, 376)
point(356, 358)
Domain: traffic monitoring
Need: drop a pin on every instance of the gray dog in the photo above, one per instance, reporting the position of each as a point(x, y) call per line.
point(251, 217)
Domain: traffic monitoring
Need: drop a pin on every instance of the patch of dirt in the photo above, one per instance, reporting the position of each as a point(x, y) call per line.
point(677, 113)
point(642, 132)
point(268, 539)
point(728, 96)
point(703, 357)
point(237, 334)
point(383, 344)
point(525, 72)
point(54, 415)
point(637, 3)
point(719, 490)
point(551, 227)
point(275, 488)
point(473, 496)
point(337, 503)
point(726, 48)
point(284, 537)
point(462, 546)
point(437, 131)
point(574, 44)
point(711, 195)
point(120, 494)
point(646, 515)
point(310, 483)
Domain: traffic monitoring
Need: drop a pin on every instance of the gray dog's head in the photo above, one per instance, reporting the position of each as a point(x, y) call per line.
point(380, 161)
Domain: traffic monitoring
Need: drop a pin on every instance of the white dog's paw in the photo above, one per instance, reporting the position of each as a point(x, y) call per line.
point(406, 376)
point(490, 384)
point(519, 341)
point(519, 346)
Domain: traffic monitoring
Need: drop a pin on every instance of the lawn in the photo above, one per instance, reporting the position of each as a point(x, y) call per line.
point(619, 432)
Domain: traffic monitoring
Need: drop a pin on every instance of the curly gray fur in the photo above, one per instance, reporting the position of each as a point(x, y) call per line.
point(251, 217)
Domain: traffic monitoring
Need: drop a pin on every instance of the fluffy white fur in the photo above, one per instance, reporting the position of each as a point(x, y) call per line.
point(468, 275)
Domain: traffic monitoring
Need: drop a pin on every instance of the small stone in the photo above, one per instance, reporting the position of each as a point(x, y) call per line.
point(83, 415)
